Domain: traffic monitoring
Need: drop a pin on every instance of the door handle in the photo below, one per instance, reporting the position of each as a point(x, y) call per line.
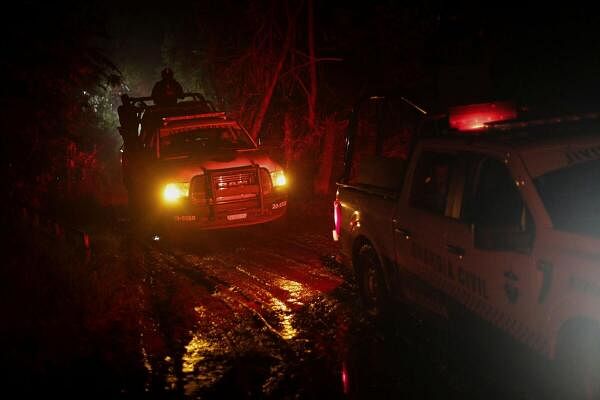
point(405, 233)
point(459, 251)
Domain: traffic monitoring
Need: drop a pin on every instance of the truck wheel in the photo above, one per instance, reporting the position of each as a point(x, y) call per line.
point(578, 363)
point(371, 282)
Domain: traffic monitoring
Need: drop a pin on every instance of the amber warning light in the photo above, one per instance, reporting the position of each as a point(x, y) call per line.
point(474, 117)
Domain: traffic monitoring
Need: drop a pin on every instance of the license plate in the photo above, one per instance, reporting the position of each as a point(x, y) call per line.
point(234, 217)
point(185, 218)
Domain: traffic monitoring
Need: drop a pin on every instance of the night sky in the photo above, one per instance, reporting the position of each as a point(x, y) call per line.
point(538, 54)
point(437, 53)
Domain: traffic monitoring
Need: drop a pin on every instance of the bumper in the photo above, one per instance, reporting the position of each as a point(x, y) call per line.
point(222, 216)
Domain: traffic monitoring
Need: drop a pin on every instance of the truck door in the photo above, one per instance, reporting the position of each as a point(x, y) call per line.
point(427, 203)
point(490, 247)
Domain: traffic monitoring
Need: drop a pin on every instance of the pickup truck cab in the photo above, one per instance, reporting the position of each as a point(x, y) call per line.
point(500, 224)
point(197, 167)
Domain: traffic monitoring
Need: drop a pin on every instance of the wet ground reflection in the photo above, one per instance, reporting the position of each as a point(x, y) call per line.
point(244, 314)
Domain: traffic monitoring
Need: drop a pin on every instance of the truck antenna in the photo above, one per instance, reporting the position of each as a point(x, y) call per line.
point(416, 107)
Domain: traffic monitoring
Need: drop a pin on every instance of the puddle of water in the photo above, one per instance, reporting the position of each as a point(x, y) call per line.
point(195, 353)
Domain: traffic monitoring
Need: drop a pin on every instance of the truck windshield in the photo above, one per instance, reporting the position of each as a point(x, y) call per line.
point(202, 140)
point(572, 197)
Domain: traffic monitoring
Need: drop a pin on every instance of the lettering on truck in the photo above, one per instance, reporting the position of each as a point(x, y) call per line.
point(445, 269)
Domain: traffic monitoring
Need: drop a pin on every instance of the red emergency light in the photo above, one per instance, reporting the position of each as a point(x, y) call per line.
point(474, 117)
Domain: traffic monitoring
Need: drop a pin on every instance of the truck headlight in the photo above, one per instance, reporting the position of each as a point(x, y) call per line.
point(174, 191)
point(278, 178)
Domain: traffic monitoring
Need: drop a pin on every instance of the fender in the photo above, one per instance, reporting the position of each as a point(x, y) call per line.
point(387, 264)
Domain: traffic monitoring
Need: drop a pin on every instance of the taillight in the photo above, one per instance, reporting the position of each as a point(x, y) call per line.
point(337, 219)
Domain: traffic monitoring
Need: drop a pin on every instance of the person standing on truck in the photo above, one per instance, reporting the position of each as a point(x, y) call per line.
point(129, 118)
point(166, 91)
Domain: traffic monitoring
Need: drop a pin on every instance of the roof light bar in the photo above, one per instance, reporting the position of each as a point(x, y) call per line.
point(170, 130)
point(220, 115)
point(475, 117)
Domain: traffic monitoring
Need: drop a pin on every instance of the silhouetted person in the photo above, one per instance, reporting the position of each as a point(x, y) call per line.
point(166, 91)
point(129, 118)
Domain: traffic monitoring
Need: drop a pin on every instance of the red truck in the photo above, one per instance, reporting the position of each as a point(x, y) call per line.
point(191, 165)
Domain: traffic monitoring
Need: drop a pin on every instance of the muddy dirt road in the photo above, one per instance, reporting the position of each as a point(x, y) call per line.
point(250, 313)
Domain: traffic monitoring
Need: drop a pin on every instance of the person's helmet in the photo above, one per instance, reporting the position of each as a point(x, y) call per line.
point(167, 73)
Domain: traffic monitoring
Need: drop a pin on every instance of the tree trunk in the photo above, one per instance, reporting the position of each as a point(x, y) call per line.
point(312, 97)
point(266, 101)
point(323, 178)
point(288, 139)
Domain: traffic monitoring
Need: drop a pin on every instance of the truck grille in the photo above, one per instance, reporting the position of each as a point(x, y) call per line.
point(227, 181)
point(226, 186)
point(235, 185)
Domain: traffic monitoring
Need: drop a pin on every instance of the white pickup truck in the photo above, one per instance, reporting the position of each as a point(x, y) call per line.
point(500, 224)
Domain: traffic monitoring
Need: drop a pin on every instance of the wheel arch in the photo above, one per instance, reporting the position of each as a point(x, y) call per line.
point(358, 243)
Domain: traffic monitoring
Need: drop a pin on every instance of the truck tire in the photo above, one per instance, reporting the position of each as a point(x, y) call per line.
point(371, 282)
point(578, 362)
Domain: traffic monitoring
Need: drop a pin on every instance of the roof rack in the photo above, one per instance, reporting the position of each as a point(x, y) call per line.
point(142, 101)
